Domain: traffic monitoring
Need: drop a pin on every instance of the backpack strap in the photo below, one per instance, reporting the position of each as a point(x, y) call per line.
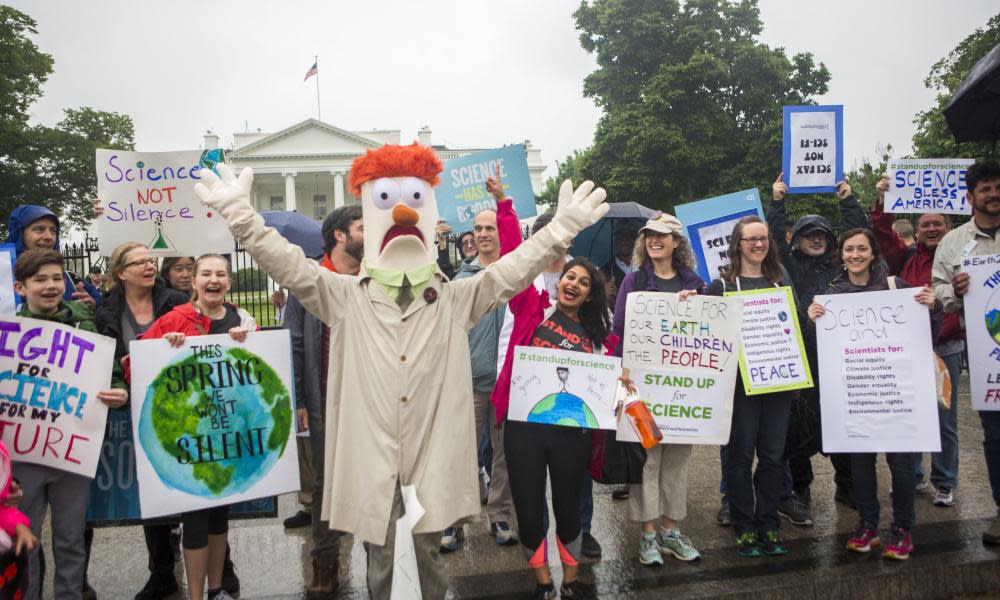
point(640, 279)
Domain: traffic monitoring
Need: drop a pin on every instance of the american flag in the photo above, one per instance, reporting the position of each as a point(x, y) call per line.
point(313, 70)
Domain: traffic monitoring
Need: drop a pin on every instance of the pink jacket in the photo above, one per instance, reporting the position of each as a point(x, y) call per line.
point(10, 517)
point(529, 308)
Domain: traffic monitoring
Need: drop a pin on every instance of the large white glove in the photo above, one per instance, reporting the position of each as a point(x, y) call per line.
point(225, 192)
point(577, 210)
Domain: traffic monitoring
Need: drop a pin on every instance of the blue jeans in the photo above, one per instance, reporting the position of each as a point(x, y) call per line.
point(759, 427)
point(991, 448)
point(944, 464)
point(903, 487)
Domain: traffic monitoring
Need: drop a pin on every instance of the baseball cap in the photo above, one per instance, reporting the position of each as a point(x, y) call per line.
point(661, 222)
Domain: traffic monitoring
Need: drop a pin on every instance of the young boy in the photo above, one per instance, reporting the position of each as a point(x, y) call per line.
point(40, 279)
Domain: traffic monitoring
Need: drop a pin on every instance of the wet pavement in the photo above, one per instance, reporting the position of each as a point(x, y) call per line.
point(949, 560)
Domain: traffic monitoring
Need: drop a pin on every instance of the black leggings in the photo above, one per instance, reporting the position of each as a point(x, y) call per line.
point(199, 524)
point(531, 449)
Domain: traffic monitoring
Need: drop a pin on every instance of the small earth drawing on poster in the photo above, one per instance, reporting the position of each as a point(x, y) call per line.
point(563, 408)
point(993, 316)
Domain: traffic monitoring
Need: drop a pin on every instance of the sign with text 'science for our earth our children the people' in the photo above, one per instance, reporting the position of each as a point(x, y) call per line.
point(148, 197)
point(773, 357)
point(928, 185)
point(683, 357)
point(812, 155)
point(709, 225)
point(877, 373)
point(563, 387)
point(462, 190)
point(982, 328)
point(50, 375)
point(213, 421)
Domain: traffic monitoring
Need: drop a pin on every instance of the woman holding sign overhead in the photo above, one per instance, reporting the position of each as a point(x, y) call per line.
point(577, 321)
point(760, 422)
point(205, 532)
point(863, 272)
point(664, 263)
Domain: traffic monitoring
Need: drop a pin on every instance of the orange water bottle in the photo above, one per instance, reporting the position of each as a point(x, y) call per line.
point(643, 423)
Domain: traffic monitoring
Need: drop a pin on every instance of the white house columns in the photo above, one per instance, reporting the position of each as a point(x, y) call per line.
point(338, 189)
point(289, 190)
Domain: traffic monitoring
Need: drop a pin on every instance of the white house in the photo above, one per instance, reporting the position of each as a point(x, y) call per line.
point(305, 166)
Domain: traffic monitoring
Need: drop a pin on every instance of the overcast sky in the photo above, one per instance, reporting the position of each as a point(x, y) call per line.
point(478, 73)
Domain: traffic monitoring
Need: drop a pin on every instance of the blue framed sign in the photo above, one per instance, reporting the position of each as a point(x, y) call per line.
point(9, 300)
point(812, 154)
point(462, 191)
point(709, 225)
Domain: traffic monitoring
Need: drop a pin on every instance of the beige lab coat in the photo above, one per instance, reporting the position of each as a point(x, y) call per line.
point(399, 392)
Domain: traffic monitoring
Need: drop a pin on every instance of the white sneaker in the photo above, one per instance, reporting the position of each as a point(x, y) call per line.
point(944, 497)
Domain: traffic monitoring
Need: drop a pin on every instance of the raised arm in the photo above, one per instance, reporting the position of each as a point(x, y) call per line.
point(513, 272)
point(775, 215)
point(893, 248)
point(851, 213)
point(321, 292)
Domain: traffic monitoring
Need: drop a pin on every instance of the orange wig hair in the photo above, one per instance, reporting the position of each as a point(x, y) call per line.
point(395, 161)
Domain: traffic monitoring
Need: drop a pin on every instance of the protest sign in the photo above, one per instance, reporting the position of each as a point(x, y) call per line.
point(114, 492)
point(982, 329)
point(50, 375)
point(148, 197)
point(812, 148)
point(562, 387)
point(773, 358)
point(709, 225)
point(877, 373)
point(928, 185)
point(212, 421)
point(8, 299)
point(683, 358)
point(462, 191)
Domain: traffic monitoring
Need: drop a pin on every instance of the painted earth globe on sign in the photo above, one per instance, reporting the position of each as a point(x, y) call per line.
point(993, 316)
point(563, 408)
point(215, 428)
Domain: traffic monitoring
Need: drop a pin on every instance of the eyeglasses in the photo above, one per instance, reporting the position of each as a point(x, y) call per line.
point(142, 261)
point(753, 241)
point(469, 243)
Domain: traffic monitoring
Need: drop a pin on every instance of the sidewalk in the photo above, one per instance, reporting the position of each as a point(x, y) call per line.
point(950, 559)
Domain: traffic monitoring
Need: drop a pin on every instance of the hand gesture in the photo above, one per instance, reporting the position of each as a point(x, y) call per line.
point(816, 310)
point(175, 338)
point(239, 334)
point(25, 539)
point(843, 189)
point(628, 384)
point(926, 296)
point(578, 209)
point(225, 189)
point(441, 231)
point(779, 189)
point(495, 187)
point(685, 294)
point(278, 298)
point(302, 417)
point(882, 187)
point(81, 295)
point(960, 283)
point(114, 398)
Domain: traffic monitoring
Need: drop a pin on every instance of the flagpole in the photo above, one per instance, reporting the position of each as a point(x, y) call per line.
point(319, 115)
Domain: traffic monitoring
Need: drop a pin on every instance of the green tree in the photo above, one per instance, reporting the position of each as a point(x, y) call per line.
point(933, 139)
point(567, 169)
point(249, 279)
point(691, 98)
point(53, 166)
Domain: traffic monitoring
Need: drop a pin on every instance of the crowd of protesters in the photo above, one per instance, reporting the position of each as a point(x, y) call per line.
point(573, 305)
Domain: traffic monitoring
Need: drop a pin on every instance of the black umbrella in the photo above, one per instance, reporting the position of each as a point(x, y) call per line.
point(595, 242)
point(973, 113)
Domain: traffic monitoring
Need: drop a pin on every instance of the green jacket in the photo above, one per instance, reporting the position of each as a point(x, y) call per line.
point(79, 316)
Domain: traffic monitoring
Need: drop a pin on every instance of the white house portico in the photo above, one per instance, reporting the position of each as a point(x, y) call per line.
point(305, 167)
